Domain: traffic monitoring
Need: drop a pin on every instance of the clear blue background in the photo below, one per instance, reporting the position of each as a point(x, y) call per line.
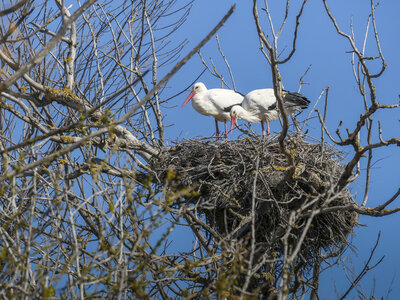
point(319, 45)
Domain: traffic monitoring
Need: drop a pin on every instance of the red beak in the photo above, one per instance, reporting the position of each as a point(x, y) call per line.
point(191, 95)
point(233, 122)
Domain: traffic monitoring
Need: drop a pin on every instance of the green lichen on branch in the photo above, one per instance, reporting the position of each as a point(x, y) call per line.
point(65, 97)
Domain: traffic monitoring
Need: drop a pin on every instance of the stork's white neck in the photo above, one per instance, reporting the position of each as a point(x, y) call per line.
point(245, 115)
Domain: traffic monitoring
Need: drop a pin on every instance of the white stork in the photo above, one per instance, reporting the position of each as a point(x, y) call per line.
point(214, 102)
point(261, 106)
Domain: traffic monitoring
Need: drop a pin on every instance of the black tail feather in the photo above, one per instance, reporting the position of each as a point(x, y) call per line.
point(295, 100)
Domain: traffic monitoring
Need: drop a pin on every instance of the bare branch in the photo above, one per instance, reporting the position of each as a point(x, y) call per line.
point(13, 8)
point(176, 67)
point(366, 268)
point(294, 35)
point(46, 49)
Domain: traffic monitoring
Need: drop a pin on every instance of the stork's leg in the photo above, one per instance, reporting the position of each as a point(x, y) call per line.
point(226, 131)
point(216, 127)
point(263, 130)
point(267, 127)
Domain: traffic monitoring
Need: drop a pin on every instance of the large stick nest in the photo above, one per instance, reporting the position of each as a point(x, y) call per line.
point(226, 179)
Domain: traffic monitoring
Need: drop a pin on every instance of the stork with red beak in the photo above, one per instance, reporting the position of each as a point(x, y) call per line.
point(214, 102)
point(261, 106)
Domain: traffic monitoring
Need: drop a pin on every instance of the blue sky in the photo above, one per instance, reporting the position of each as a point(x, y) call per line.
point(318, 45)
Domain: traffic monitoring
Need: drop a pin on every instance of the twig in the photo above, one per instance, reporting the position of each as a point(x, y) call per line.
point(176, 67)
point(365, 269)
point(46, 49)
point(226, 62)
point(13, 8)
point(253, 228)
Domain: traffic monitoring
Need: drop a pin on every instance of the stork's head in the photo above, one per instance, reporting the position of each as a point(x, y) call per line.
point(198, 87)
point(235, 111)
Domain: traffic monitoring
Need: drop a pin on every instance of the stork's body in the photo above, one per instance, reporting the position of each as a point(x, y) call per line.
point(214, 102)
point(261, 106)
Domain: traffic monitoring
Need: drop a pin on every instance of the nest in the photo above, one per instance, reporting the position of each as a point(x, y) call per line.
point(225, 180)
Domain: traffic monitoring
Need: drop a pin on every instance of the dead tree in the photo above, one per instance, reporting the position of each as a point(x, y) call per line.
point(90, 192)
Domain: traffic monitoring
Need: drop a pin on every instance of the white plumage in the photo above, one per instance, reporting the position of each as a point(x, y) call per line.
point(261, 106)
point(214, 102)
